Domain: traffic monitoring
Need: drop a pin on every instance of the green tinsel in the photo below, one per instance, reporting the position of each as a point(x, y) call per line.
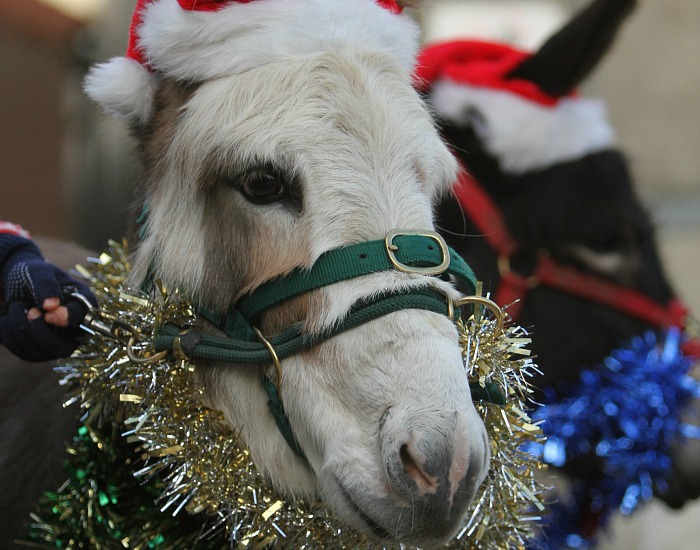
point(94, 509)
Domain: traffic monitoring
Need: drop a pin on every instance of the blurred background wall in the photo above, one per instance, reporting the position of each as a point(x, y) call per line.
point(65, 168)
point(36, 59)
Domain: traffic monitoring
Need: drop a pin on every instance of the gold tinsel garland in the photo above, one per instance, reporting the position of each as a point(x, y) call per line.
point(188, 462)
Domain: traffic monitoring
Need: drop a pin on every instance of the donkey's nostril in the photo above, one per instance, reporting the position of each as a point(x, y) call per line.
point(425, 483)
point(432, 469)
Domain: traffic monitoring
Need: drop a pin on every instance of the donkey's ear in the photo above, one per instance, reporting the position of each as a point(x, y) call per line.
point(567, 58)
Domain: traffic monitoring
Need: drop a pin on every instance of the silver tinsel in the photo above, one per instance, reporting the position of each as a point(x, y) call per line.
point(201, 467)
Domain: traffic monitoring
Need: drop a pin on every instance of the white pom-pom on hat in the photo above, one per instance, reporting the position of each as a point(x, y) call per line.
point(124, 87)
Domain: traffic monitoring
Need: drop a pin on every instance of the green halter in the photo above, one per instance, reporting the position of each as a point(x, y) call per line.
point(416, 252)
point(405, 250)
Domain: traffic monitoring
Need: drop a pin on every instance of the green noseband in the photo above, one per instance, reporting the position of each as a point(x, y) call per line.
point(423, 253)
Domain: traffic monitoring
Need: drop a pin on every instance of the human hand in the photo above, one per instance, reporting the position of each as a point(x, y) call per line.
point(40, 319)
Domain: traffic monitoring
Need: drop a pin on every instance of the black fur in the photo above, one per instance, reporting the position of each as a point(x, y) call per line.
point(589, 201)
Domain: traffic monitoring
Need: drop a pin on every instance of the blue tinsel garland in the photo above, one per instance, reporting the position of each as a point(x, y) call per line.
point(623, 416)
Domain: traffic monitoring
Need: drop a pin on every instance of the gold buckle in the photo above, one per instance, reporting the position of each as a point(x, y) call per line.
point(391, 248)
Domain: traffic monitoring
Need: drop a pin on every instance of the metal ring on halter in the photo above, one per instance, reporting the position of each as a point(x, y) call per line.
point(490, 304)
point(179, 353)
point(275, 359)
point(93, 323)
point(134, 358)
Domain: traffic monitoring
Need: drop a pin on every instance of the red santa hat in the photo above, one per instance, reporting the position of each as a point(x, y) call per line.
point(195, 40)
point(480, 64)
point(524, 127)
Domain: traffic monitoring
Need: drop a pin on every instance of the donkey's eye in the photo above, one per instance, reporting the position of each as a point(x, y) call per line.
point(263, 186)
point(477, 120)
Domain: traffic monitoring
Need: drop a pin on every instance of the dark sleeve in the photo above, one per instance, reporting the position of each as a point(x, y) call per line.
point(12, 238)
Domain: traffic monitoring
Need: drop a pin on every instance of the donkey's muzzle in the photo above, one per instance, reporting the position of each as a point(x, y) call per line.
point(433, 470)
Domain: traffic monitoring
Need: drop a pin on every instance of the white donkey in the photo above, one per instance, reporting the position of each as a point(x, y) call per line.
point(272, 132)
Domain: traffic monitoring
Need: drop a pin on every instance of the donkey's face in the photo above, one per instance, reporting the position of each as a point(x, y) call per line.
point(587, 216)
point(583, 214)
point(250, 176)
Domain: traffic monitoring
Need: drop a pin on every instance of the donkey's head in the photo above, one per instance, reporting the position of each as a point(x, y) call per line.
point(271, 133)
point(545, 157)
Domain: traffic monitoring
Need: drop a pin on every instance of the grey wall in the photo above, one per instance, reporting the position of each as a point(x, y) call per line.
point(651, 83)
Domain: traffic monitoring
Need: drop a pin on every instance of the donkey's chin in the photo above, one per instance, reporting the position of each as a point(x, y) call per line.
point(407, 500)
point(389, 518)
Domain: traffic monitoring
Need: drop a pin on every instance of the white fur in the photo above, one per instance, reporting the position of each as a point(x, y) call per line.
point(363, 146)
point(170, 242)
point(521, 134)
point(123, 87)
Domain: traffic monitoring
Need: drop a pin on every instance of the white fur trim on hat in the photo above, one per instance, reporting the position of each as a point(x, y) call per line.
point(201, 45)
point(123, 87)
point(198, 45)
point(524, 135)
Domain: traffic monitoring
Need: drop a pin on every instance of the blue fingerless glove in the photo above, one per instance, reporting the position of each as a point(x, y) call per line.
point(26, 280)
